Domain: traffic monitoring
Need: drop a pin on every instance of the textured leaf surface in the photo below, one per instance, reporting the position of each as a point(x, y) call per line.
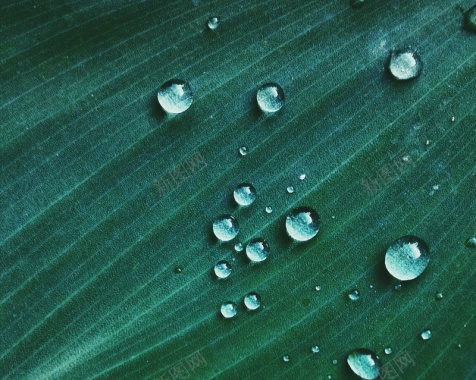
point(91, 241)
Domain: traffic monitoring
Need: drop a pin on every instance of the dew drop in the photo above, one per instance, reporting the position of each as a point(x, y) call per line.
point(252, 301)
point(302, 223)
point(257, 250)
point(290, 189)
point(426, 334)
point(356, 3)
point(213, 23)
point(471, 242)
point(405, 64)
point(178, 269)
point(318, 288)
point(388, 350)
point(470, 19)
point(243, 150)
point(270, 97)
point(222, 269)
point(302, 177)
point(398, 287)
point(238, 247)
point(175, 96)
point(226, 227)
point(315, 349)
point(228, 309)
point(439, 296)
point(364, 363)
point(244, 194)
point(407, 258)
point(334, 361)
point(354, 295)
point(268, 209)
point(285, 358)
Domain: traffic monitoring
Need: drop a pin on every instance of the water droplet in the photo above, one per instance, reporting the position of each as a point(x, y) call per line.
point(238, 247)
point(228, 309)
point(398, 287)
point(257, 250)
point(285, 358)
point(439, 296)
point(334, 361)
point(388, 350)
point(356, 3)
point(175, 96)
point(222, 269)
point(178, 269)
point(252, 301)
point(226, 227)
point(213, 23)
point(244, 194)
point(471, 242)
point(459, 345)
point(268, 209)
point(318, 288)
point(315, 349)
point(407, 258)
point(470, 19)
point(364, 363)
point(302, 223)
point(243, 150)
point(302, 177)
point(405, 64)
point(290, 189)
point(270, 97)
point(426, 334)
point(354, 295)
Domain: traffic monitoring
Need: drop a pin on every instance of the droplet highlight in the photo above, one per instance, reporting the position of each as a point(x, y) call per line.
point(407, 258)
point(270, 97)
point(388, 350)
point(439, 296)
point(285, 358)
point(252, 301)
point(364, 363)
point(228, 309)
point(302, 223)
point(315, 349)
point(244, 194)
point(175, 96)
point(405, 64)
point(257, 250)
point(268, 209)
point(222, 269)
point(243, 151)
point(239, 247)
point(226, 227)
point(426, 334)
point(290, 189)
point(213, 23)
point(354, 295)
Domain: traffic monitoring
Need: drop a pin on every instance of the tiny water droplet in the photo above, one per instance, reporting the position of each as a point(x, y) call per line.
point(239, 247)
point(222, 269)
point(356, 3)
point(302, 223)
point(398, 287)
point(364, 363)
point(257, 250)
point(459, 345)
point(471, 242)
point(290, 189)
point(426, 334)
point(175, 96)
point(270, 97)
point(354, 295)
point(178, 269)
point(470, 19)
point(334, 361)
point(407, 258)
point(388, 350)
point(268, 209)
point(405, 64)
point(439, 296)
point(244, 194)
point(243, 150)
point(302, 177)
point(315, 349)
point(213, 23)
point(285, 358)
point(226, 227)
point(252, 301)
point(228, 309)
point(318, 288)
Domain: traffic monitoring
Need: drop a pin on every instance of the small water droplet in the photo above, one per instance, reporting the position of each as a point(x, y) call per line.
point(405, 64)
point(252, 301)
point(439, 296)
point(407, 258)
point(222, 269)
point(364, 363)
point(175, 96)
point(268, 209)
point(318, 288)
point(257, 250)
point(354, 295)
point(398, 287)
point(226, 227)
point(356, 3)
point(239, 247)
point(471, 242)
point(470, 19)
point(285, 358)
point(178, 269)
point(290, 189)
point(228, 309)
point(302, 177)
point(459, 345)
point(426, 334)
point(388, 350)
point(302, 223)
point(270, 97)
point(243, 150)
point(315, 349)
point(334, 361)
point(244, 194)
point(452, 119)
point(213, 23)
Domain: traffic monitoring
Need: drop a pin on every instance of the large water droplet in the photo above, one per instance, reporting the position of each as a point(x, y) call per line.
point(226, 227)
point(175, 96)
point(470, 19)
point(252, 301)
point(407, 258)
point(405, 64)
point(257, 250)
point(228, 309)
point(222, 269)
point(354, 295)
point(302, 223)
point(213, 23)
point(270, 97)
point(356, 3)
point(244, 194)
point(426, 334)
point(364, 363)
point(471, 242)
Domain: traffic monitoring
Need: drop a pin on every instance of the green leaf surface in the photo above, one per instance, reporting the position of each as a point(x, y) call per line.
point(107, 202)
